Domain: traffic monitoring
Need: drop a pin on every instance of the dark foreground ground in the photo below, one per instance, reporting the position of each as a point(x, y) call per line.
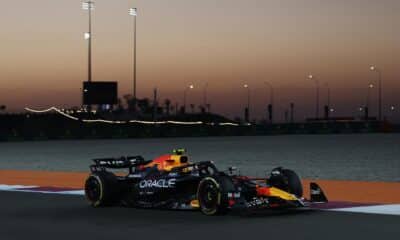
point(42, 216)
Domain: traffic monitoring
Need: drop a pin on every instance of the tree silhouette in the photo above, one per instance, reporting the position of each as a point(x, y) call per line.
point(202, 109)
point(167, 103)
point(192, 106)
point(130, 102)
point(120, 107)
point(144, 105)
point(208, 108)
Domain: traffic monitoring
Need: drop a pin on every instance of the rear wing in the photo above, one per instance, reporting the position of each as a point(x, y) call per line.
point(317, 195)
point(118, 163)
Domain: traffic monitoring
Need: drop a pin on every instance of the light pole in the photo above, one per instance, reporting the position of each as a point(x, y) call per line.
point(155, 104)
point(191, 86)
point(247, 109)
point(370, 86)
point(392, 110)
point(291, 112)
point(271, 100)
point(133, 12)
point(311, 77)
point(327, 107)
point(89, 6)
point(205, 95)
point(375, 69)
point(361, 109)
point(328, 95)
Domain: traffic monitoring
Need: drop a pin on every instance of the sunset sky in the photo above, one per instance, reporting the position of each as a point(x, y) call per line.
point(226, 43)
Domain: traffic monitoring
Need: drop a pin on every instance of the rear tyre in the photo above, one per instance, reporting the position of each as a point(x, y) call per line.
point(101, 189)
point(212, 194)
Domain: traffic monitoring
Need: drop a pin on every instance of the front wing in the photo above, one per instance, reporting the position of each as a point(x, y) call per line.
point(274, 198)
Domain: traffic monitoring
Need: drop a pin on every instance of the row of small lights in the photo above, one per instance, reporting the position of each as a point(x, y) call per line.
point(392, 108)
point(66, 114)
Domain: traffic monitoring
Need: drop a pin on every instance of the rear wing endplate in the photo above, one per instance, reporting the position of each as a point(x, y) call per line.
point(316, 194)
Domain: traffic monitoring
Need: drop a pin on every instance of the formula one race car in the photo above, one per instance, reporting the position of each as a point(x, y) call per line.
point(172, 182)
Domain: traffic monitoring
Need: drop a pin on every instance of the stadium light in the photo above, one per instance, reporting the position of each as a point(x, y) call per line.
point(133, 11)
point(89, 5)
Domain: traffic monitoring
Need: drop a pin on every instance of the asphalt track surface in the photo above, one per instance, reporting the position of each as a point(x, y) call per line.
point(51, 216)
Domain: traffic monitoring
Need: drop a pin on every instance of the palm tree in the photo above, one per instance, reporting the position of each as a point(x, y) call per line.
point(208, 107)
point(128, 101)
point(202, 109)
point(167, 103)
point(144, 105)
point(120, 107)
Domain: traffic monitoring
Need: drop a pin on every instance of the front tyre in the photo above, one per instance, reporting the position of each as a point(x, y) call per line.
point(287, 180)
point(101, 189)
point(293, 182)
point(212, 195)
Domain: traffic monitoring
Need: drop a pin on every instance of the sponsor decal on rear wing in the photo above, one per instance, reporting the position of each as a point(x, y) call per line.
point(121, 162)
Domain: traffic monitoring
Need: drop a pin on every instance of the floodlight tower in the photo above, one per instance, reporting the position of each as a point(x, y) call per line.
point(89, 6)
point(133, 13)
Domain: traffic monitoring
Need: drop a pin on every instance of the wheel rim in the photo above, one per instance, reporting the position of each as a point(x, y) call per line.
point(209, 195)
point(92, 189)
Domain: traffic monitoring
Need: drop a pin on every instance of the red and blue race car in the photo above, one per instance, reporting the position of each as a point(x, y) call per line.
point(172, 182)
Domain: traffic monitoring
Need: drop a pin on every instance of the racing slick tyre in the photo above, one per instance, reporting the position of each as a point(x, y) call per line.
point(212, 194)
point(101, 189)
point(294, 185)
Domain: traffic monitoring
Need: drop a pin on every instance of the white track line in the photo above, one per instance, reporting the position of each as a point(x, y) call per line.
point(4, 187)
point(390, 209)
point(73, 192)
point(22, 188)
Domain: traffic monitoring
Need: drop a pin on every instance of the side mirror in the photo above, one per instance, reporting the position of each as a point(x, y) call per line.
point(232, 170)
point(276, 171)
